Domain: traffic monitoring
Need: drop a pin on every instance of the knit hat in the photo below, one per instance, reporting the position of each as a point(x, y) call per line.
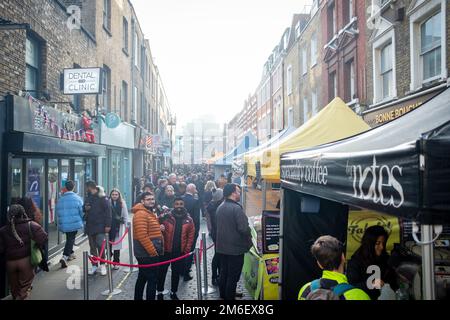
point(217, 195)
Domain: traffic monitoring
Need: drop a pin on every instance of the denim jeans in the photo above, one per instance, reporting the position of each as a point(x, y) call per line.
point(70, 241)
point(146, 276)
point(95, 244)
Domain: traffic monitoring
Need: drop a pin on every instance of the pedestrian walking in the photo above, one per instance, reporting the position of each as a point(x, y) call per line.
point(192, 205)
point(31, 209)
point(217, 199)
point(179, 231)
point(15, 246)
point(98, 218)
point(148, 245)
point(233, 240)
point(118, 223)
point(69, 210)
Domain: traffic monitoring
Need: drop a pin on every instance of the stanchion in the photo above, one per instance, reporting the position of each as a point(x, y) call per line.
point(199, 275)
point(86, 275)
point(206, 289)
point(130, 252)
point(111, 290)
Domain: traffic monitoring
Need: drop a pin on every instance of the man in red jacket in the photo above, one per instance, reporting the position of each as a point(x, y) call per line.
point(178, 236)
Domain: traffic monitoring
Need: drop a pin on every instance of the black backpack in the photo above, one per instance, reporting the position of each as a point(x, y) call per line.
point(334, 293)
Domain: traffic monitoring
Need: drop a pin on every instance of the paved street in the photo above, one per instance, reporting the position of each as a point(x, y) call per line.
point(67, 284)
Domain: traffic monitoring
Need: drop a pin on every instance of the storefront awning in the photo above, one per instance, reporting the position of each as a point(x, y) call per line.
point(248, 142)
point(402, 167)
point(334, 122)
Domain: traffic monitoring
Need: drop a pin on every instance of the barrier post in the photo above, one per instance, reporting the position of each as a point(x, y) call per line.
point(111, 290)
point(130, 252)
point(199, 274)
point(85, 275)
point(206, 289)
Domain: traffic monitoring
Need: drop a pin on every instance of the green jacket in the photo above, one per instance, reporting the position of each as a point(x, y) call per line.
point(353, 294)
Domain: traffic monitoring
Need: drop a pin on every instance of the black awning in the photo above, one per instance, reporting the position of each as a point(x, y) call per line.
point(401, 168)
point(32, 143)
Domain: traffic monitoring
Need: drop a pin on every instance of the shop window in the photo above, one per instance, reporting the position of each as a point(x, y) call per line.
point(79, 177)
point(53, 191)
point(33, 66)
point(35, 181)
point(16, 176)
point(107, 15)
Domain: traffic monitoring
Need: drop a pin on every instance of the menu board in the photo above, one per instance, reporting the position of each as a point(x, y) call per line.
point(271, 231)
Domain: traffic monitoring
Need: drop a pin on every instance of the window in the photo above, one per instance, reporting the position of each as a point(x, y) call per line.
point(290, 117)
point(428, 43)
point(135, 103)
point(107, 14)
point(305, 110)
point(77, 98)
point(350, 81)
point(143, 61)
point(331, 19)
point(106, 88)
point(304, 61)
point(289, 80)
point(314, 105)
point(430, 47)
point(124, 100)
point(314, 50)
point(347, 11)
point(143, 110)
point(386, 71)
point(33, 66)
point(297, 30)
point(125, 35)
point(332, 92)
point(136, 50)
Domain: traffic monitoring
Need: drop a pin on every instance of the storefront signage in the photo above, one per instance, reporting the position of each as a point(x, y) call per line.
point(33, 116)
point(271, 231)
point(82, 81)
point(384, 115)
point(387, 182)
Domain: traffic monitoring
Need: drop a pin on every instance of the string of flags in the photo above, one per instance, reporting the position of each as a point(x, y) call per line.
point(43, 121)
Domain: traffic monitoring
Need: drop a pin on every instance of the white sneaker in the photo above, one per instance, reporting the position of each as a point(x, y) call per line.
point(72, 257)
point(93, 270)
point(116, 267)
point(63, 262)
point(103, 270)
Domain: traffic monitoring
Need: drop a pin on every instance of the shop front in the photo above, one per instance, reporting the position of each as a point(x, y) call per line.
point(41, 149)
point(115, 168)
point(396, 175)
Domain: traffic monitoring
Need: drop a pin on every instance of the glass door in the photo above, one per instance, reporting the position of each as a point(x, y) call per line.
point(16, 179)
point(53, 191)
point(35, 180)
point(80, 177)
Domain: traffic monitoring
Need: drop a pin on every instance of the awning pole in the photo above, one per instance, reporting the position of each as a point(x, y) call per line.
point(280, 260)
point(428, 280)
point(264, 195)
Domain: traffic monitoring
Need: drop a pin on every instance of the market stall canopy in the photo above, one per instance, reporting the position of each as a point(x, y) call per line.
point(251, 158)
point(215, 158)
point(402, 167)
point(249, 141)
point(334, 122)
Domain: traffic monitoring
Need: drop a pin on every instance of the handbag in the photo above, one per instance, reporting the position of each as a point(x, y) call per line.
point(35, 254)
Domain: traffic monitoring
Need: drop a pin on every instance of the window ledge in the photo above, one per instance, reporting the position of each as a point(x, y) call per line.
point(429, 85)
point(108, 31)
point(125, 52)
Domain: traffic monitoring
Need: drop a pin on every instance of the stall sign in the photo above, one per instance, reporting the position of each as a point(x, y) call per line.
point(252, 274)
point(271, 231)
point(271, 276)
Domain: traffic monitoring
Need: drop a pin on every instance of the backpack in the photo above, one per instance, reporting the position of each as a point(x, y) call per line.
point(333, 293)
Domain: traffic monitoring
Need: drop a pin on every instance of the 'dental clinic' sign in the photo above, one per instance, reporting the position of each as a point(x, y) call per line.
point(82, 81)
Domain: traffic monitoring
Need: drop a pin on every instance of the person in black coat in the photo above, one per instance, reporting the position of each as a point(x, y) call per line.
point(216, 201)
point(192, 205)
point(371, 252)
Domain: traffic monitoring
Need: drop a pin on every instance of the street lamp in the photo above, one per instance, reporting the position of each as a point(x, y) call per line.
point(171, 124)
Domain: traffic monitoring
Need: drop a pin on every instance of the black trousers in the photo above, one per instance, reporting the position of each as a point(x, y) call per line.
point(230, 272)
point(177, 270)
point(189, 260)
point(146, 276)
point(70, 241)
point(215, 264)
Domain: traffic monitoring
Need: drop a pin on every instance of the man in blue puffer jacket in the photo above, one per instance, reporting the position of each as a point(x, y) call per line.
point(70, 219)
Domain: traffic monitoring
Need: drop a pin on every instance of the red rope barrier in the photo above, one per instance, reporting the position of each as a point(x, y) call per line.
point(97, 259)
point(121, 239)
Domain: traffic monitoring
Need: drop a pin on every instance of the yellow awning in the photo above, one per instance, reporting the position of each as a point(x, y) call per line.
point(334, 122)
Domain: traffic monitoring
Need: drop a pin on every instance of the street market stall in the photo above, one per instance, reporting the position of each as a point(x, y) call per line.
point(401, 168)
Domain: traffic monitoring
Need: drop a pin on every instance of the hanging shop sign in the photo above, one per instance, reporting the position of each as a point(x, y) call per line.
point(112, 120)
point(82, 81)
point(387, 182)
point(33, 116)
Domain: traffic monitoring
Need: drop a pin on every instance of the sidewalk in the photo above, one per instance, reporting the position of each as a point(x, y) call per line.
point(67, 284)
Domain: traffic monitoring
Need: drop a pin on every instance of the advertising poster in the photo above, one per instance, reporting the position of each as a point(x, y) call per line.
point(271, 275)
point(271, 231)
point(34, 186)
point(359, 221)
point(252, 274)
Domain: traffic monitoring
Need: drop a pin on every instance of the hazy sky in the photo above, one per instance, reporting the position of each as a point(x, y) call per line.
point(211, 53)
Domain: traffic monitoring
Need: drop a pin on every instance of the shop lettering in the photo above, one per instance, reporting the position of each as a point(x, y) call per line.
point(82, 76)
point(83, 87)
point(313, 174)
point(394, 114)
point(382, 177)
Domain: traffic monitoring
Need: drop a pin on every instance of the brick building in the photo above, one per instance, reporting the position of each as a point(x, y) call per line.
point(407, 60)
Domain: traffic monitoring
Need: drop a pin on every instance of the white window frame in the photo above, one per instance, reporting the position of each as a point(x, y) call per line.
point(313, 50)
point(136, 49)
point(378, 45)
point(417, 16)
point(289, 80)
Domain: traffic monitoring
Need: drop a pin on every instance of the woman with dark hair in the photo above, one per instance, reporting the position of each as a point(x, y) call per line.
point(118, 223)
point(31, 210)
point(15, 245)
point(372, 252)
